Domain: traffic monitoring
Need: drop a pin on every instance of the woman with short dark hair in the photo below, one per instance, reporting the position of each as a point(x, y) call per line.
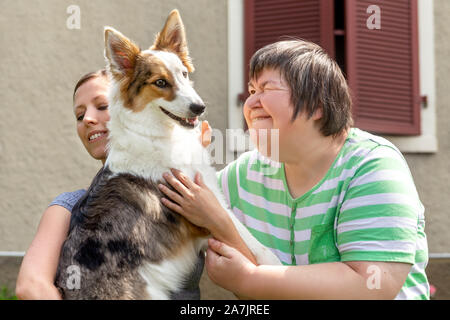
point(337, 205)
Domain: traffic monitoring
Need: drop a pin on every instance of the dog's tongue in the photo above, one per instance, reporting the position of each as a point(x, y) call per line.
point(192, 121)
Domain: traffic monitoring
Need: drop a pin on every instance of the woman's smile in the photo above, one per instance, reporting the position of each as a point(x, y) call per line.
point(95, 136)
point(260, 121)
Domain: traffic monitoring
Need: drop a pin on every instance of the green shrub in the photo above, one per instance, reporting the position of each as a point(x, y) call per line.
point(6, 294)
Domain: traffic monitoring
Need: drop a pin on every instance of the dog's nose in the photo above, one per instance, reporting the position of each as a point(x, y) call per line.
point(197, 108)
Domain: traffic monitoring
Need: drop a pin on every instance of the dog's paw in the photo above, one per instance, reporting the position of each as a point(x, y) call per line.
point(266, 257)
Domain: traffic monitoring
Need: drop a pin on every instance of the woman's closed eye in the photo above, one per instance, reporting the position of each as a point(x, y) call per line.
point(102, 107)
point(253, 90)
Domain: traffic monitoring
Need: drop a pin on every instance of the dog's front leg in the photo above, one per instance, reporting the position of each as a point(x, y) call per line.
point(262, 254)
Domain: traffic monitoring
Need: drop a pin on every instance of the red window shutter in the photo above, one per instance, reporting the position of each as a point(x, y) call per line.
point(268, 21)
point(383, 66)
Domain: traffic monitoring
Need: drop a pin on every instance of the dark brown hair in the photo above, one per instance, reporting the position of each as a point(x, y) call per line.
point(87, 77)
point(315, 81)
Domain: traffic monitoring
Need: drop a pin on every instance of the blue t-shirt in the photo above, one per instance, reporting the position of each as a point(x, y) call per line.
point(68, 199)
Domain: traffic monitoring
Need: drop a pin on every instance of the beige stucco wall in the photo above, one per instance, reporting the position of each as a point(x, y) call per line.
point(40, 154)
point(432, 171)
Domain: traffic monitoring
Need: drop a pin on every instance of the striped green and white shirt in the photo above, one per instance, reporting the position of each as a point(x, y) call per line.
point(366, 208)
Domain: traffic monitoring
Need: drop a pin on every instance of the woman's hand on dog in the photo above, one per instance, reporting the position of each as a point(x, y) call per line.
point(227, 267)
point(197, 203)
point(194, 200)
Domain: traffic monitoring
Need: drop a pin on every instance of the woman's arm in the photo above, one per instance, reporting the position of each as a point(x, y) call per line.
point(38, 269)
point(335, 280)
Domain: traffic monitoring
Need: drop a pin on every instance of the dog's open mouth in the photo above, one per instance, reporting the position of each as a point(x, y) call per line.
point(185, 122)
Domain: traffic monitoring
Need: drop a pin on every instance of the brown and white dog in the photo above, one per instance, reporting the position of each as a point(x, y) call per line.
point(122, 241)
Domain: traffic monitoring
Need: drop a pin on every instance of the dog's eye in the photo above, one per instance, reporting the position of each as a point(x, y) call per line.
point(185, 74)
point(161, 83)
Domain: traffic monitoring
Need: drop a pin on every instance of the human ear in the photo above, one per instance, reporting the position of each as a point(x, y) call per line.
point(318, 113)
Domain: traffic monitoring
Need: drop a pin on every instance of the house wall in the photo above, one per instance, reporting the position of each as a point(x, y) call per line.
point(431, 172)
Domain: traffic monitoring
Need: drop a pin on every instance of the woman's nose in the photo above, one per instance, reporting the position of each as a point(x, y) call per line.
point(252, 101)
point(90, 117)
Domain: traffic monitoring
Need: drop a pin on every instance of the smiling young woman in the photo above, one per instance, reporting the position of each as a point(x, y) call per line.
point(38, 269)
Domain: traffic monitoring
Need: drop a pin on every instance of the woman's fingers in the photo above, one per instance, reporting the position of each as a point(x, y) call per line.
point(198, 179)
point(197, 202)
point(210, 261)
point(220, 248)
point(170, 194)
point(176, 184)
point(172, 206)
point(185, 180)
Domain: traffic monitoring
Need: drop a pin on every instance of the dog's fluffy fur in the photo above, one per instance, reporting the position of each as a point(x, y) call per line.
point(125, 243)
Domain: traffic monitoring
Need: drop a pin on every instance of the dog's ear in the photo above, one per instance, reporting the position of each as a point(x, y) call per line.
point(120, 53)
point(173, 38)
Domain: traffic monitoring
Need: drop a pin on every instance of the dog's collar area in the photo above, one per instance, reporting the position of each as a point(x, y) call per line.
point(185, 122)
